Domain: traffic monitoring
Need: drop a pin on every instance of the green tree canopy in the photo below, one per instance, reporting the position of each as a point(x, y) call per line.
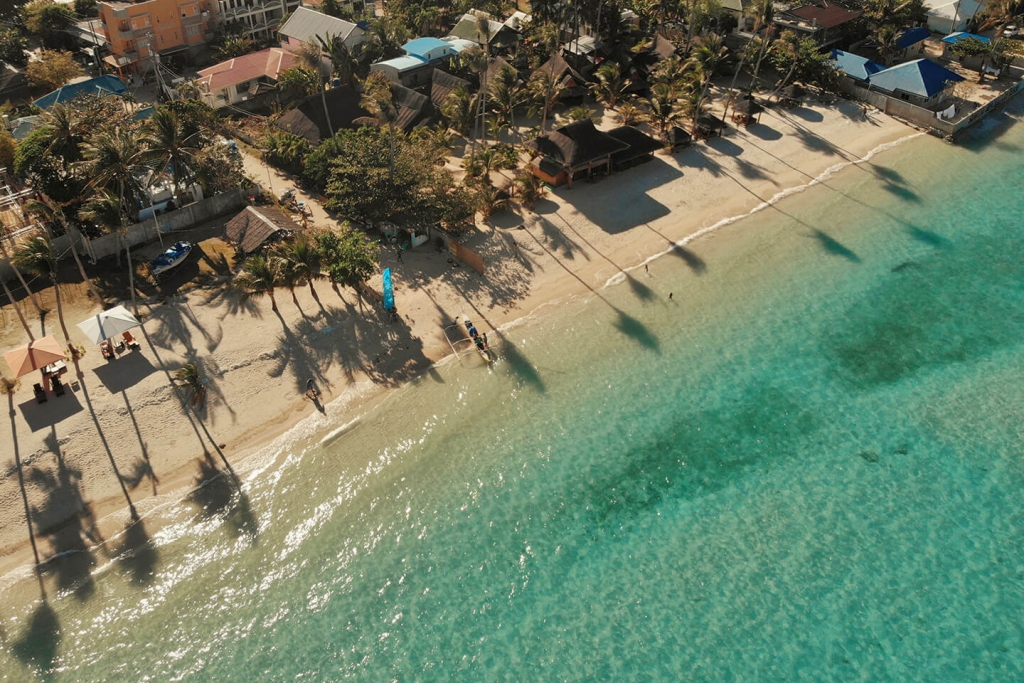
point(12, 47)
point(53, 69)
point(347, 256)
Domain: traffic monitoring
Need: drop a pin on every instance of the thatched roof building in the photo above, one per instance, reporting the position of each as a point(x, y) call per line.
point(254, 226)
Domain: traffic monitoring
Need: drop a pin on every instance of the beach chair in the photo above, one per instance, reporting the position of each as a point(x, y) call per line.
point(58, 386)
point(130, 341)
point(107, 350)
point(37, 389)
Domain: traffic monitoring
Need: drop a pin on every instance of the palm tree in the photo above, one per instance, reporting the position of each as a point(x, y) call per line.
point(507, 94)
point(312, 57)
point(17, 271)
point(459, 109)
point(174, 150)
point(53, 213)
point(529, 188)
point(106, 211)
point(546, 91)
point(190, 378)
point(38, 257)
point(62, 123)
point(112, 157)
point(610, 86)
point(663, 110)
point(704, 62)
point(303, 260)
point(259, 276)
point(378, 100)
point(17, 309)
point(629, 114)
point(343, 60)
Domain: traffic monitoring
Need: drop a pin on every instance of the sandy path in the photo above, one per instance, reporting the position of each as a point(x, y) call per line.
point(258, 362)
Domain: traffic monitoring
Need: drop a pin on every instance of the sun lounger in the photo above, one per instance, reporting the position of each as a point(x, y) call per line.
point(40, 394)
point(58, 387)
point(107, 350)
point(130, 341)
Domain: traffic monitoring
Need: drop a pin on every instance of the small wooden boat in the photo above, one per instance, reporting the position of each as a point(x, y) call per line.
point(170, 258)
point(478, 341)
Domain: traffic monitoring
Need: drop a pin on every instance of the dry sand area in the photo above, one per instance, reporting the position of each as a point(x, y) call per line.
point(126, 415)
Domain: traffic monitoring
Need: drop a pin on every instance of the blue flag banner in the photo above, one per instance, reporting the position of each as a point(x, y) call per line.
point(389, 293)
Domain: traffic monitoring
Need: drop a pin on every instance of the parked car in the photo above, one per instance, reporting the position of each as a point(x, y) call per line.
point(1011, 31)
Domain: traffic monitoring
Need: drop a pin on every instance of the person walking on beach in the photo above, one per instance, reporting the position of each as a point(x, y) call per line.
point(670, 296)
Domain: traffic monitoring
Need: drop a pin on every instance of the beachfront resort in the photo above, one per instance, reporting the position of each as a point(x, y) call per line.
point(224, 222)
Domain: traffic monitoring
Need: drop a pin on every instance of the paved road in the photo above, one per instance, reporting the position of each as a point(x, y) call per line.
point(279, 182)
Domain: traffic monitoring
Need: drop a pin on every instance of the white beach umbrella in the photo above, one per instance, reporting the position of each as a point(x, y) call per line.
point(107, 324)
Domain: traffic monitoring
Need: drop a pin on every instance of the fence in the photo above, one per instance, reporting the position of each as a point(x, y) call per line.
point(142, 233)
point(926, 118)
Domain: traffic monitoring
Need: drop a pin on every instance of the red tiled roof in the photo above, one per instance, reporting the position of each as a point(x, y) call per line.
point(825, 14)
point(268, 63)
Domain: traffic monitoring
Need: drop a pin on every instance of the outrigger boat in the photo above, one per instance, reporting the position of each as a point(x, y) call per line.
point(170, 258)
point(478, 341)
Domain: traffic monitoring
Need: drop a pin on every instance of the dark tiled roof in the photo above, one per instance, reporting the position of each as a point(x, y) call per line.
point(255, 225)
point(442, 84)
point(309, 121)
point(826, 15)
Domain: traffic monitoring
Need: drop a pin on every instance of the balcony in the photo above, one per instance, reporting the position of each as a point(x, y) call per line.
point(192, 20)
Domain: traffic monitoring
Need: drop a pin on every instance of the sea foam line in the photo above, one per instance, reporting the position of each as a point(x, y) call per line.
point(825, 175)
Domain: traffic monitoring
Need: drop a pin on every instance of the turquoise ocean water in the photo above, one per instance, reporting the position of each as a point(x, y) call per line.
point(807, 465)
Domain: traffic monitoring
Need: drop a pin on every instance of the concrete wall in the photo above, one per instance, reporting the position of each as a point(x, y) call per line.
point(142, 233)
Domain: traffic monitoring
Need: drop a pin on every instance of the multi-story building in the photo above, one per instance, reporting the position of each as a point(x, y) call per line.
point(259, 19)
point(139, 31)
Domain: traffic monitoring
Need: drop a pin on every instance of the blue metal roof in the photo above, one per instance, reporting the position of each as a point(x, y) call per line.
point(912, 36)
point(421, 46)
point(963, 35)
point(855, 66)
point(101, 85)
point(920, 77)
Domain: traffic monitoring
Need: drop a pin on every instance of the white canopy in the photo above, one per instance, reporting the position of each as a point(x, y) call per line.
point(107, 324)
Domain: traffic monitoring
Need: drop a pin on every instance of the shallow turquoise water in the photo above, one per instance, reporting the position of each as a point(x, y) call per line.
point(805, 466)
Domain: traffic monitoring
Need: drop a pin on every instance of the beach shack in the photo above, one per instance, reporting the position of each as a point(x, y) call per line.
point(746, 110)
point(641, 147)
point(578, 149)
point(921, 82)
point(255, 226)
point(708, 126)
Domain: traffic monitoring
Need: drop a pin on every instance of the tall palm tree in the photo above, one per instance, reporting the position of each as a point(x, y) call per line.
point(17, 271)
point(507, 94)
point(190, 378)
point(112, 158)
point(378, 100)
point(546, 91)
point(53, 213)
point(259, 276)
point(62, 122)
point(459, 109)
point(343, 59)
point(704, 61)
point(303, 260)
point(168, 144)
point(105, 210)
point(311, 55)
point(610, 86)
point(17, 309)
point(38, 257)
point(663, 110)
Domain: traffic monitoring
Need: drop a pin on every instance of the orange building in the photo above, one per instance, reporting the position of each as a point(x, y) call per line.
point(139, 31)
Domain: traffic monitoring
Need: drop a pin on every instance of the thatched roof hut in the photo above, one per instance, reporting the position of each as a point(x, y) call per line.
point(641, 147)
point(254, 226)
point(577, 147)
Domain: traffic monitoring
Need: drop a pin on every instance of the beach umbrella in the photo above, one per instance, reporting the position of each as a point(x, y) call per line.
point(34, 355)
point(107, 324)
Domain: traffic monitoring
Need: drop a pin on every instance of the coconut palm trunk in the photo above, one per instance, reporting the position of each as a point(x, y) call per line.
point(76, 238)
point(9, 390)
point(21, 278)
point(17, 309)
point(123, 236)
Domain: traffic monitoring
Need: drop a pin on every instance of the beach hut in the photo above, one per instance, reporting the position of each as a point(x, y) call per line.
point(576, 149)
point(746, 110)
point(255, 226)
point(791, 96)
point(641, 147)
point(708, 125)
point(679, 138)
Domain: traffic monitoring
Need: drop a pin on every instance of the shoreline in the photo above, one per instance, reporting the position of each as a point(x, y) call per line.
point(619, 253)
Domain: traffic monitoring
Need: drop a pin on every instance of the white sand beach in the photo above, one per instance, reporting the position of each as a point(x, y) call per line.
point(258, 363)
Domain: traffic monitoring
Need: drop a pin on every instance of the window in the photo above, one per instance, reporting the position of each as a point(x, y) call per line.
point(192, 30)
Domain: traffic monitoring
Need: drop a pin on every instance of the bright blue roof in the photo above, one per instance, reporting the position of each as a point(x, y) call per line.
point(855, 66)
point(101, 85)
point(963, 35)
point(912, 36)
point(404, 63)
point(421, 46)
point(920, 77)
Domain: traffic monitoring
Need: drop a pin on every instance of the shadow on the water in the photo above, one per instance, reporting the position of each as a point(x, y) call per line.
point(60, 519)
point(642, 291)
point(37, 646)
point(520, 366)
point(137, 553)
point(217, 495)
point(636, 330)
point(834, 246)
point(932, 239)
